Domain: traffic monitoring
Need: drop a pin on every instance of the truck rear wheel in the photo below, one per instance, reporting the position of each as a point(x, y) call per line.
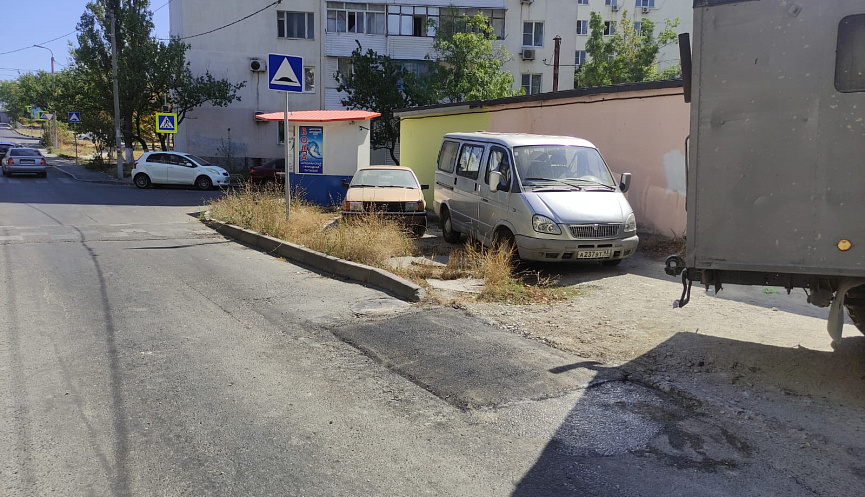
point(855, 304)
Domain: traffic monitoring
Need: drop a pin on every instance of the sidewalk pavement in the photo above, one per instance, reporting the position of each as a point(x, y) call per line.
point(81, 173)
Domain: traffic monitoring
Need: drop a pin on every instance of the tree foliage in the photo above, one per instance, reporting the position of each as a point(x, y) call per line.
point(625, 57)
point(468, 66)
point(380, 84)
point(149, 71)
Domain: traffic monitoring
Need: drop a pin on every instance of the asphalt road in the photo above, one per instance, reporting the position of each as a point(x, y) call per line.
point(143, 354)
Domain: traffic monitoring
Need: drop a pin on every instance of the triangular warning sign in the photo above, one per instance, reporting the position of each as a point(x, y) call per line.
point(167, 123)
point(285, 75)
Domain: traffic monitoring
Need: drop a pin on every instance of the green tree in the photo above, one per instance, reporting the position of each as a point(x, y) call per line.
point(625, 57)
point(468, 66)
point(380, 84)
point(149, 71)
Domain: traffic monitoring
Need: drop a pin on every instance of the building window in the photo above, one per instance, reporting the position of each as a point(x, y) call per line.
point(495, 18)
point(531, 83)
point(645, 3)
point(412, 21)
point(609, 28)
point(582, 2)
point(533, 34)
point(280, 140)
point(638, 28)
point(309, 79)
point(295, 25)
point(850, 59)
point(344, 67)
point(580, 58)
point(582, 27)
point(611, 3)
point(356, 18)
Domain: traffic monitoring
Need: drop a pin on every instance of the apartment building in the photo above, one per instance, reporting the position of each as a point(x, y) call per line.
point(612, 11)
point(325, 33)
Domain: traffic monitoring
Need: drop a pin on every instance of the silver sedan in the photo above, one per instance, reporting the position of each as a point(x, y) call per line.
point(24, 160)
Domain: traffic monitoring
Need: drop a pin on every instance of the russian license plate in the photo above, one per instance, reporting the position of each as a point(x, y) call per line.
point(594, 254)
point(28, 161)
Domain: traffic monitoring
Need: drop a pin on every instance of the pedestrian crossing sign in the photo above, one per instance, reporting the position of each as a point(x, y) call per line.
point(166, 122)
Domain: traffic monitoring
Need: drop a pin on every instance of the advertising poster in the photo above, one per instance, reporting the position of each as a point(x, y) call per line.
point(310, 154)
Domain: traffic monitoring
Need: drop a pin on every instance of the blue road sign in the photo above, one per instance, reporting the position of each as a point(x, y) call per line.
point(74, 117)
point(166, 122)
point(42, 115)
point(285, 72)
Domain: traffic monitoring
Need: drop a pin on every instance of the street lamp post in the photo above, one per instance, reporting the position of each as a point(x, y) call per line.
point(54, 91)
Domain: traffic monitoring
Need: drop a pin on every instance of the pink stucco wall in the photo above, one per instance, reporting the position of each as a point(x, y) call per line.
point(641, 132)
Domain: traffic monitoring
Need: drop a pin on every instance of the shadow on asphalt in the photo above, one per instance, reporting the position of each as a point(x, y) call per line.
point(88, 193)
point(624, 439)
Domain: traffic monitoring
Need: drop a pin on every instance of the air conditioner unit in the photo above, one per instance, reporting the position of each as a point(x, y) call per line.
point(526, 1)
point(615, 8)
point(258, 113)
point(528, 54)
point(257, 65)
point(645, 10)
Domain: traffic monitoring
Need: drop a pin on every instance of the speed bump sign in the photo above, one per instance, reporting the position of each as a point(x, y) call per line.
point(166, 122)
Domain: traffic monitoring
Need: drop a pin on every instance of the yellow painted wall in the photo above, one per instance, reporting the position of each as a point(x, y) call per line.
point(421, 136)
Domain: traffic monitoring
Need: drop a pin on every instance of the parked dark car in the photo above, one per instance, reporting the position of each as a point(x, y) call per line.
point(4, 147)
point(267, 172)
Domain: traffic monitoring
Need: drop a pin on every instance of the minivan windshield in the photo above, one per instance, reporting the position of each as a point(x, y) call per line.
point(544, 164)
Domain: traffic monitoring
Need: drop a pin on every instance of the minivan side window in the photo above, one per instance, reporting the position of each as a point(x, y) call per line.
point(470, 161)
point(499, 161)
point(447, 156)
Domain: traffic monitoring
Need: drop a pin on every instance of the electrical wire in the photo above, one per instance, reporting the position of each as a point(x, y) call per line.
point(227, 25)
point(42, 43)
point(163, 6)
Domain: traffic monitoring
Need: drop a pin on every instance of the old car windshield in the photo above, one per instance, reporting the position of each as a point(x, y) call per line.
point(384, 178)
point(539, 164)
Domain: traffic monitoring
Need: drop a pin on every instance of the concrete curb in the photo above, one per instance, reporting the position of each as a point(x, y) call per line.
point(101, 181)
point(379, 278)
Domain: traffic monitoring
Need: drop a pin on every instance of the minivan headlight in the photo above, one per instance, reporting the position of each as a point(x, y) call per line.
point(631, 224)
point(543, 224)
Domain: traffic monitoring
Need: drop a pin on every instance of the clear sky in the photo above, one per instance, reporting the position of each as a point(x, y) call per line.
point(36, 22)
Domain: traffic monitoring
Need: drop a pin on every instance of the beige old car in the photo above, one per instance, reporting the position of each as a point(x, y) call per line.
point(391, 191)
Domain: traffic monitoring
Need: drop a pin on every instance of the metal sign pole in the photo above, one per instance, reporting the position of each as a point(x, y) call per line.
point(288, 161)
point(75, 136)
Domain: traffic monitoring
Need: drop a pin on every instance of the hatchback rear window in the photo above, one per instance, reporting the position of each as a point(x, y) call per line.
point(24, 152)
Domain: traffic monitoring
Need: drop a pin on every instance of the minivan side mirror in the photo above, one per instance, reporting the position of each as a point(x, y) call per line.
point(625, 184)
point(424, 187)
point(495, 180)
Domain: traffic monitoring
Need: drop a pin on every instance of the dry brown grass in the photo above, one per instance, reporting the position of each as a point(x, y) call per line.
point(262, 210)
point(372, 240)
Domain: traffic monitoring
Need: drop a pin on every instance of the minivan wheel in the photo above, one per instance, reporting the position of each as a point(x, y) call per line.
point(203, 183)
point(142, 180)
point(448, 232)
point(505, 240)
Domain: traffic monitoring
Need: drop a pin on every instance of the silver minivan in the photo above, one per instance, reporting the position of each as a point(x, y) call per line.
point(551, 198)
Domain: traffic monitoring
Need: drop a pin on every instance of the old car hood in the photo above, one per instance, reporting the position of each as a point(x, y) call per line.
point(373, 194)
point(578, 207)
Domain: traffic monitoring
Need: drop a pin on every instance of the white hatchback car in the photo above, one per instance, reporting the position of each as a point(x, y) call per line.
point(177, 168)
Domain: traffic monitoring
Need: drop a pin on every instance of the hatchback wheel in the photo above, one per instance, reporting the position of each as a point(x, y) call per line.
point(142, 180)
point(203, 183)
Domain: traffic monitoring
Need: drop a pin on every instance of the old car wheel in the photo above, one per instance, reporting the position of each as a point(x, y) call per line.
point(448, 232)
point(418, 231)
point(203, 183)
point(855, 304)
point(142, 180)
